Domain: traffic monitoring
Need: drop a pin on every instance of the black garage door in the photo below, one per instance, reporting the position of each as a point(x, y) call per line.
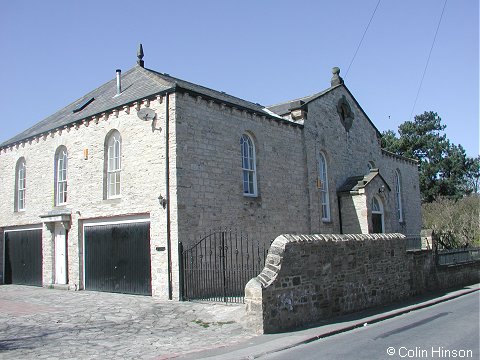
point(23, 257)
point(117, 258)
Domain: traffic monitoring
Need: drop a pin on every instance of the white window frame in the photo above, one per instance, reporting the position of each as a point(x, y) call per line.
point(379, 210)
point(323, 186)
point(398, 196)
point(61, 166)
point(370, 166)
point(249, 168)
point(21, 184)
point(114, 165)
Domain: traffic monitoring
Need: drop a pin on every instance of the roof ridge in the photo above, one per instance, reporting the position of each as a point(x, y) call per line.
point(178, 82)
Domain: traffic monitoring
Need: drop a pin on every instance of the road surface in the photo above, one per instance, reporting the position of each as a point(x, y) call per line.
point(443, 331)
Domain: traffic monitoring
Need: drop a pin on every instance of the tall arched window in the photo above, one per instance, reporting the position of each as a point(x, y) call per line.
point(61, 162)
point(113, 156)
point(398, 196)
point(20, 184)
point(248, 166)
point(323, 187)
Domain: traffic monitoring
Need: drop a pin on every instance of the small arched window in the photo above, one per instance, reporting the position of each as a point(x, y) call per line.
point(113, 156)
point(249, 171)
point(398, 196)
point(377, 215)
point(370, 166)
point(20, 184)
point(323, 187)
point(61, 163)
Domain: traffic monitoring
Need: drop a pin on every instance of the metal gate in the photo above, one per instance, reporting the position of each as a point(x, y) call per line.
point(117, 258)
point(218, 267)
point(23, 257)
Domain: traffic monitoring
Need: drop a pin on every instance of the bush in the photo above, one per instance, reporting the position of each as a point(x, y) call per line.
point(456, 223)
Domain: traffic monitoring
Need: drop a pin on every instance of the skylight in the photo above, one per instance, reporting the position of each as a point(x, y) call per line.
point(83, 104)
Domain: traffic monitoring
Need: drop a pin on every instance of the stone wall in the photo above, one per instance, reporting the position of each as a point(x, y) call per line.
point(348, 153)
point(143, 180)
point(209, 170)
point(312, 277)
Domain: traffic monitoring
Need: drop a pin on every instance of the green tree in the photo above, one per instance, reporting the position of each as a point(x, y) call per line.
point(443, 165)
point(472, 176)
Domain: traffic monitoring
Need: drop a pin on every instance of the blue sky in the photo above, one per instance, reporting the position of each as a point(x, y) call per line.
point(53, 52)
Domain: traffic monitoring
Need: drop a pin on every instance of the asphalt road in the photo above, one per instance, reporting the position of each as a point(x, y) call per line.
point(446, 330)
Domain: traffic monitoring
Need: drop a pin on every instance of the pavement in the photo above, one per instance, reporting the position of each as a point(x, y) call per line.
point(56, 324)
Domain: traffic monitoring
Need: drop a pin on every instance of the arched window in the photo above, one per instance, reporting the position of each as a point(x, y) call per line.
point(377, 215)
point(61, 160)
point(398, 196)
point(370, 166)
point(248, 166)
point(323, 187)
point(113, 156)
point(20, 184)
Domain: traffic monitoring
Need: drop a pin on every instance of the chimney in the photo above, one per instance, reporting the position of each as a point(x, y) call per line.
point(119, 82)
point(336, 79)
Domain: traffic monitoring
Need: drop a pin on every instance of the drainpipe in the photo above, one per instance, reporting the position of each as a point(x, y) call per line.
point(339, 202)
point(167, 195)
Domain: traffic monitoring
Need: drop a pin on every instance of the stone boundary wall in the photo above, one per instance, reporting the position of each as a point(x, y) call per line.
point(312, 277)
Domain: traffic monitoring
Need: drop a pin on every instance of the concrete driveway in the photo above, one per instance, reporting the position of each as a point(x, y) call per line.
point(56, 324)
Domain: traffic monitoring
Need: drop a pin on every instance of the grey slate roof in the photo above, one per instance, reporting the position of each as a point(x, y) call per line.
point(137, 83)
point(355, 183)
point(285, 107)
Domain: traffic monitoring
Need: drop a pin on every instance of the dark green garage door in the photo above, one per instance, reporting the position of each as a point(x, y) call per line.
point(23, 257)
point(117, 258)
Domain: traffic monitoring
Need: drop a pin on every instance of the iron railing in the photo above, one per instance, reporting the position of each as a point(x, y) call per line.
point(458, 256)
point(219, 265)
point(414, 242)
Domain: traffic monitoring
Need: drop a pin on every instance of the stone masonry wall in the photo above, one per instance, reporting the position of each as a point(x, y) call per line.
point(312, 277)
point(348, 153)
point(209, 170)
point(142, 181)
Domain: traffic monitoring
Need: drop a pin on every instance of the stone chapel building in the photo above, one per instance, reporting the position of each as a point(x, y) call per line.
point(147, 160)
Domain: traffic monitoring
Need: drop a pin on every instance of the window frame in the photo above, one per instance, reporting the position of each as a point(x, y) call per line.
point(61, 176)
point(113, 165)
point(370, 166)
point(323, 187)
point(249, 166)
point(398, 196)
point(20, 185)
point(380, 211)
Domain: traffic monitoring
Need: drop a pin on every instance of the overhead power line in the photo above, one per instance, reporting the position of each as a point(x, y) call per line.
point(363, 36)
point(428, 59)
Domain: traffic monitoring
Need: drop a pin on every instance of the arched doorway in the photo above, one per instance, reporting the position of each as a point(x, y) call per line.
point(377, 215)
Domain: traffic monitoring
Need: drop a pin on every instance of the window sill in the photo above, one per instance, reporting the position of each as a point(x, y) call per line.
point(113, 200)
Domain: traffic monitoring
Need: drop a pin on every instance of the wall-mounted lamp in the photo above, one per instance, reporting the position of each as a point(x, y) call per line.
point(85, 154)
point(163, 201)
point(382, 189)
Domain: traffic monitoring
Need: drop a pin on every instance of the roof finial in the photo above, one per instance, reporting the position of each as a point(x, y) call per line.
point(336, 79)
point(140, 56)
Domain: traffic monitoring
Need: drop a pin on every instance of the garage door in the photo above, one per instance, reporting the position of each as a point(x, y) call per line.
point(117, 258)
point(23, 257)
